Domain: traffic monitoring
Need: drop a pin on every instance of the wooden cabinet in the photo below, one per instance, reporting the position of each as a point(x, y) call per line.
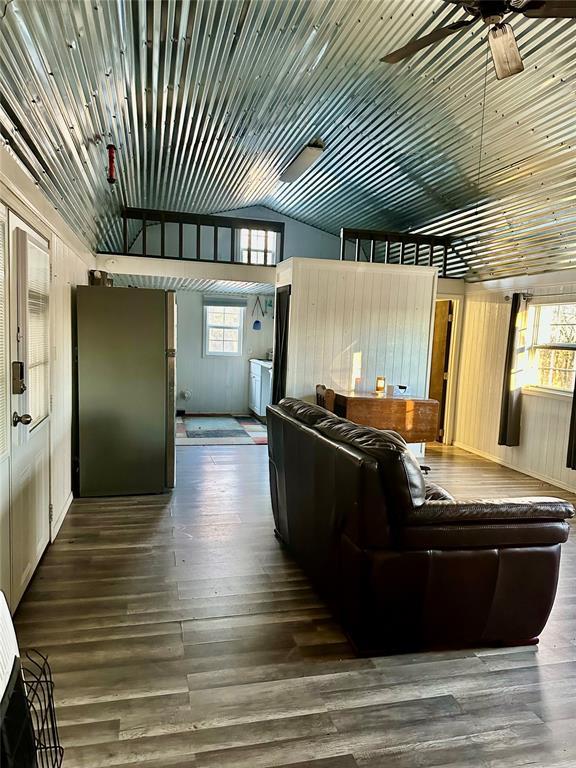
point(260, 386)
point(416, 419)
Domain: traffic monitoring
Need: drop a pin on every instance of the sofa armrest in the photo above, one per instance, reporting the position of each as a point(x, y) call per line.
point(531, 510)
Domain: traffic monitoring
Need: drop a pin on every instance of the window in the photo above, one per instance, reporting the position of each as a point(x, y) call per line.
point(552, 353)
point(257, 246)
point(38, 322)
point(223, 327)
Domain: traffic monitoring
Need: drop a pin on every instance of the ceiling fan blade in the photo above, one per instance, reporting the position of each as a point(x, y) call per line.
point(423, 42)
point(550, 9)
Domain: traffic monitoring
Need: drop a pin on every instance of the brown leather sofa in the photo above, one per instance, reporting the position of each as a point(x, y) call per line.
point(403, 564)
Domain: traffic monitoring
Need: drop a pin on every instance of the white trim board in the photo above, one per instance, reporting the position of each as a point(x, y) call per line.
point(57, 521)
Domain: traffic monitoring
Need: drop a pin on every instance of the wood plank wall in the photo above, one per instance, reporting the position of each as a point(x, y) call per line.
point(68, 271)
point(339, 309)
point(545, 418)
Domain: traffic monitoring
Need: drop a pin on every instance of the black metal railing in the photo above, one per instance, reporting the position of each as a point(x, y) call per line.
point(381, 247)
point(199, 237)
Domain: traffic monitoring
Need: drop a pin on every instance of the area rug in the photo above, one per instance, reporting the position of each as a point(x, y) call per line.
point(220, 430)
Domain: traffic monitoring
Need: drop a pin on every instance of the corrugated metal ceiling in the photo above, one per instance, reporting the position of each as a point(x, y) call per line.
point(208, 101)
point(192, 284)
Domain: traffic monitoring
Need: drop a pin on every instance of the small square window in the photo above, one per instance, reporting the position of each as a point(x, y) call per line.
point(223, 330)
point(258, 246)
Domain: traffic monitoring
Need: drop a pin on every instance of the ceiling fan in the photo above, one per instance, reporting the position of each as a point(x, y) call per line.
point(503, 46)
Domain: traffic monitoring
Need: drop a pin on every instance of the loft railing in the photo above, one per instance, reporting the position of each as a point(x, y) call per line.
point(198, 237)
point(375, 246)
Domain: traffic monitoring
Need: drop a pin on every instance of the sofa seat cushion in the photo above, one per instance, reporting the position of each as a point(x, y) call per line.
point(472, 511)
point(475, 536)
point(402, 479)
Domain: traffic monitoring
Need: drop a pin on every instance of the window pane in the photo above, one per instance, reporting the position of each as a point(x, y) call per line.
point(231, 347)
point(231, 335)
point(215, 334)
point(557, 324)
point(232, 317)
point(215, 345)
point(556, 368)
point(215, 316)
point(37, 336)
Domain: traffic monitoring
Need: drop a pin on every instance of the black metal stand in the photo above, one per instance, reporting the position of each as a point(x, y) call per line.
point(39, 690)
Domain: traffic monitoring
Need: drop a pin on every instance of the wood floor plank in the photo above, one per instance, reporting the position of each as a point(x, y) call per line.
point(182, 636)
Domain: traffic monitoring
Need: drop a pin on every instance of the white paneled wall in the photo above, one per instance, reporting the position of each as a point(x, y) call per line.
point(545, 417)
point(68, 271)
point(342, 311)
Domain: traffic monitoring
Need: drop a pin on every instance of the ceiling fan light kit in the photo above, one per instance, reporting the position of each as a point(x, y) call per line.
point(504, 49)
point(505, 53)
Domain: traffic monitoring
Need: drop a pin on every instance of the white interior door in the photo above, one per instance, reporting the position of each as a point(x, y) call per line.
point(29, 413)
point(5, 427)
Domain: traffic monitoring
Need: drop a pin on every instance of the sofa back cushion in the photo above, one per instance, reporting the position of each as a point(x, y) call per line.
point(403, 483)
point(322, 491)
point(308, 413)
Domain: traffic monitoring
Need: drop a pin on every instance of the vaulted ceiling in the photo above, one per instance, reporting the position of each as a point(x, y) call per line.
point(208, 100)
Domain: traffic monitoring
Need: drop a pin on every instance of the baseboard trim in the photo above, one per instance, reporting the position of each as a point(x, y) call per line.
point(508, 465)
point(57, 521)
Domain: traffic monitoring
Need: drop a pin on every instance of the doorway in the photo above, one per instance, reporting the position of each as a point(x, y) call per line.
point(440, 363)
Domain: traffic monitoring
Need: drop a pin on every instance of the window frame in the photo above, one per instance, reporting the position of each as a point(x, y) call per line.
point(270, 254)
point(534, 347)
point(205, 351)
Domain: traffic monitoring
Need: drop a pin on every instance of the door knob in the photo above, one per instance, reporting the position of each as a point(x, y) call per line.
point(25, 419)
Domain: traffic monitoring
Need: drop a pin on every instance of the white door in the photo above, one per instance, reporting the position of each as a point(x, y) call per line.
point(5, 428)
point(29, 413)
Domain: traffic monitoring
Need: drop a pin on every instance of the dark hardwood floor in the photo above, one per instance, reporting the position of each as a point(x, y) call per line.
point(180, 634)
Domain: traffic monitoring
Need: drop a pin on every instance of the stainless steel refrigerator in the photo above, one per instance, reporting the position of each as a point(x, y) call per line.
point(126, 378)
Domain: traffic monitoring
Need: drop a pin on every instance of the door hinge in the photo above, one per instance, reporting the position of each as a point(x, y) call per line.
point(450, 318)
point(441, 433)
point(50, 513)
point(445, 376)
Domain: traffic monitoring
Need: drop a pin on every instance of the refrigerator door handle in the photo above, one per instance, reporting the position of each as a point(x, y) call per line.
point(170, 389)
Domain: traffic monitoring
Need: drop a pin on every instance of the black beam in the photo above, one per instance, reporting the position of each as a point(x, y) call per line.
point(204, 219)
point(399, 237)
point(125, 233)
